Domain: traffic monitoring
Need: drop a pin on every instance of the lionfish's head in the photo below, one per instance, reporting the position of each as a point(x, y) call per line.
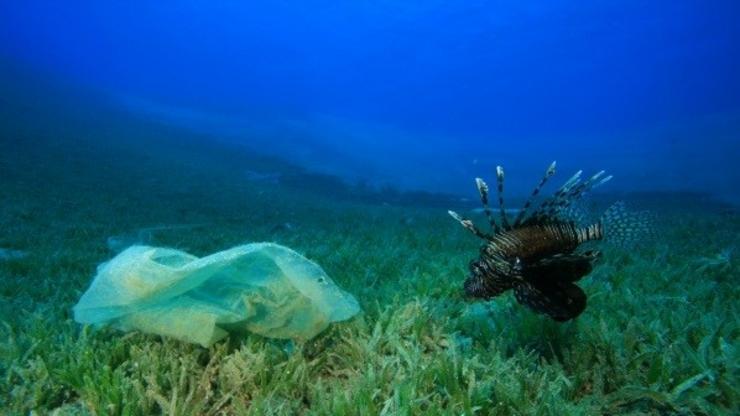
point(492, 277)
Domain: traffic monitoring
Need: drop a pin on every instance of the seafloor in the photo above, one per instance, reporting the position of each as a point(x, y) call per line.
point(660, 334)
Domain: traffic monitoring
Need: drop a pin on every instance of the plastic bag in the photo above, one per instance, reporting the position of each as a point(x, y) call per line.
point(263, 288)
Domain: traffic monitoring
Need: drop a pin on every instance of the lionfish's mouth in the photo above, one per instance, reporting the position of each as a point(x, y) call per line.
point(480, 286)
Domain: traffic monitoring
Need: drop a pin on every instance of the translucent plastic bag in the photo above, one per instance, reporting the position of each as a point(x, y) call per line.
point(264, 288)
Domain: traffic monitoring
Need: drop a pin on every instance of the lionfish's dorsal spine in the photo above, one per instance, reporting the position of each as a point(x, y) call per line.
point(522, 214)
point(549, 209)
point(569, 192)
point(500, 182)
point(468, 224)
point(483, 191)
point(585, 186)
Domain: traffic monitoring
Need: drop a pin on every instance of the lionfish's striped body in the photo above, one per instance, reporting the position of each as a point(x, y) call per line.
point(539, 256)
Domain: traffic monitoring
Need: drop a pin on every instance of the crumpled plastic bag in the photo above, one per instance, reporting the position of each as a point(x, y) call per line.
point(263, 288)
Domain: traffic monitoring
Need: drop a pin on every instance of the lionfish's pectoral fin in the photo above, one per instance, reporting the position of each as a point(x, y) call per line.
point(561, 301)
point(561, 267)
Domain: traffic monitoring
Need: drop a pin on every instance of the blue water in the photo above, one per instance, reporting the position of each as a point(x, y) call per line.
point(418, 95)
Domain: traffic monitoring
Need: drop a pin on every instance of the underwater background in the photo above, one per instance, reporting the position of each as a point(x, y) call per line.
point(345, 131)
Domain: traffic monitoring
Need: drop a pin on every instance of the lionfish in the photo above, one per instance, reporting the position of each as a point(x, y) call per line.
point(541, 256)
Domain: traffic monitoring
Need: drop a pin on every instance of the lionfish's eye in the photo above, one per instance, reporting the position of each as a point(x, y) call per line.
point(516, 266)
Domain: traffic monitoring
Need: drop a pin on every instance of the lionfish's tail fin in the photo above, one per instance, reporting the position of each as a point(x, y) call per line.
point(483, 191)
point(550, 171)
point(468, 224)
point(624, 228)
point(500, 181)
